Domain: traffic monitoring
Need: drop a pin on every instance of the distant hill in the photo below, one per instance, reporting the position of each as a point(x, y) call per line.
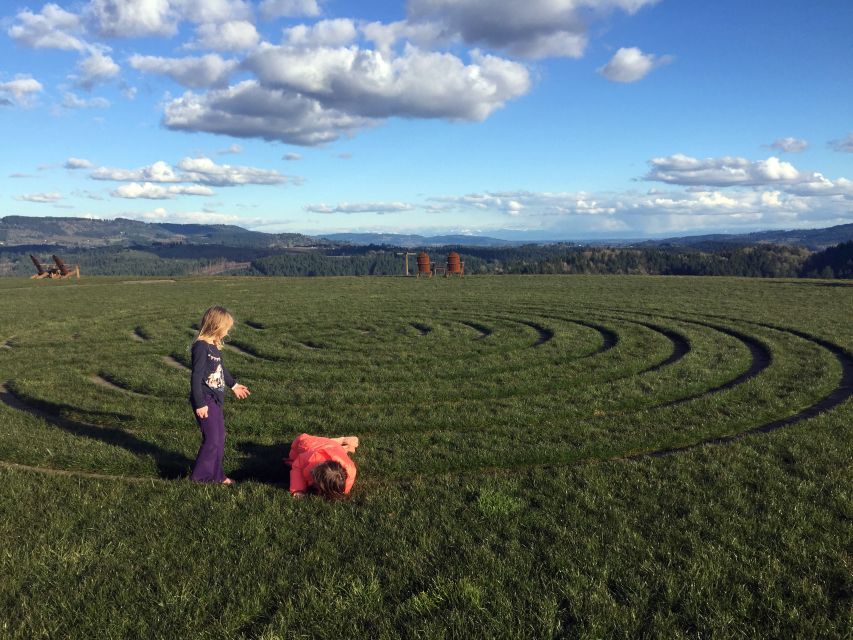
point(814, 239)
point(85, 232)
point(411, 240)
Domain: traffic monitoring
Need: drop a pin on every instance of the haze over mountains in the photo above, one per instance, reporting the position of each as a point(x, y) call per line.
point(85, 232)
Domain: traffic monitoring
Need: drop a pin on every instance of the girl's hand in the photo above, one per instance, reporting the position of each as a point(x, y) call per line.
point(201, 412)
point(241, 391)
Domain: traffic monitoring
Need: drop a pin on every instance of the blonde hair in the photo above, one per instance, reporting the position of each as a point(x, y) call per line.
point(330, 479)
point(215, 323)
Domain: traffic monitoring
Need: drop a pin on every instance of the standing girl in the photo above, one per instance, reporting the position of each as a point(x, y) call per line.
point(207, 393)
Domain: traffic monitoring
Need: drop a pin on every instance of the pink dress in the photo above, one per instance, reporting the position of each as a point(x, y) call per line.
point(307, 452)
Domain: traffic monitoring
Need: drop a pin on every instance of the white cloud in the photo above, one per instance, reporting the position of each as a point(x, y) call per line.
point(21, 90)
point(790, 145)
point(196, 217)
point(77, 163)
point(291, 156)
point(247, 110)
point(289, 8)
point(153, 191)
point(629, 64)
point(722, 172)
point(195, 72)
point(52, 28)
point(133, 18)
point(533, 29)
point(368, 83)
point(325, 33)
point(653, 212)
point(213, 11)
point(844, 144)
point(158, 172)
point(138, 18)
point(206, 171)
point(96, 68)
point(361, 207)
point(386, 35)
point(72, 101)
point(230, 150)
point(41, 198)
point(235, 35)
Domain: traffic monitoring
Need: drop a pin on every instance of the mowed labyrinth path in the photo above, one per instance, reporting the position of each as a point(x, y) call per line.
point(437, 376)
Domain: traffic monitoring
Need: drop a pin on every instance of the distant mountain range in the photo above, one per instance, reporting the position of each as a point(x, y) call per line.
point(411, 240)
point(85, 232)
point(89, 233)
point(814, 239)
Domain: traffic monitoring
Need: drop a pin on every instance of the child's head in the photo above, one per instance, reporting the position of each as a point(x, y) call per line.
point(215, 324)
point(330, 479)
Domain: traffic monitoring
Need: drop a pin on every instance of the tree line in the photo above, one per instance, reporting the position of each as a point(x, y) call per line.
point(761, 260)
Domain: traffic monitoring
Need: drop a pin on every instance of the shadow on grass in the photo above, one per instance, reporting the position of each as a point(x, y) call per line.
point(170, 464)
point(263, 463)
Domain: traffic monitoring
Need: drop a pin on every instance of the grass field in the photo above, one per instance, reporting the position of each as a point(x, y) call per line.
point(571, 457)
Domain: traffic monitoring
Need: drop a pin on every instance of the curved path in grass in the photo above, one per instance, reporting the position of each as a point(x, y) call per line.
point(169, 461)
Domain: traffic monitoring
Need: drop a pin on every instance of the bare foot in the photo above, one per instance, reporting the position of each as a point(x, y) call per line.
point(228, 481)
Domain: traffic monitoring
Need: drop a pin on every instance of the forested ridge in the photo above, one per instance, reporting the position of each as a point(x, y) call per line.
point(762, 260)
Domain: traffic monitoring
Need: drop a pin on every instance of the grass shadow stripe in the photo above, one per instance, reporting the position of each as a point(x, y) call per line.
point(105, 381)
point(170, 464)
point(173, 362)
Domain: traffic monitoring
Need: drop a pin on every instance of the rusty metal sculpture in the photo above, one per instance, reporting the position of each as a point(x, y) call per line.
point(454, 265)
point(60, 272)
point(424, 265)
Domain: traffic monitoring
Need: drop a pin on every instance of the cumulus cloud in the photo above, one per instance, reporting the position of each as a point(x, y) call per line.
point(289, 8)
point(235, 35)
point(153, 191)
point(247, 110)
point(361, 207)
point(424, 34)
point(158, 172)
point(20, 91)
point(197, 217)
point(138, 18)
point(722, 172)
point(789, 145)
point(41, 198)
point(199, 171)
point(73, 101)
point(96, 68)
point(51, 28)
point(844, 144)
point(325, 33)
point(373, 84)
point(230, 150)
point(655, 211)
point(133, 18)
point(77, 163)
point(206, 171)
point(534, 29)
point(629, 64)
point(194, 72)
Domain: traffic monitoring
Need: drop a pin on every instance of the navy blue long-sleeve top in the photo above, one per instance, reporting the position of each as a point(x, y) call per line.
point(209, 375)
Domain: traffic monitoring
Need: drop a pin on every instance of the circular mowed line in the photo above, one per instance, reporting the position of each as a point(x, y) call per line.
point(437, 377)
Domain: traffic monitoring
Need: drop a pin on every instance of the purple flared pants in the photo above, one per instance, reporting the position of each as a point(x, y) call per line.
point(208, 462)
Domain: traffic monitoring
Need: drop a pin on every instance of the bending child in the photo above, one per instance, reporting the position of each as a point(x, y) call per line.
point(207, 393)
point(321, 464)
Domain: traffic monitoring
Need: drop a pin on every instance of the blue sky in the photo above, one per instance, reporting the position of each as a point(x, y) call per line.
point(545, 119)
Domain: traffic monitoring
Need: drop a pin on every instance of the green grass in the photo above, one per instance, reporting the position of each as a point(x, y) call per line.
point(493, 498)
